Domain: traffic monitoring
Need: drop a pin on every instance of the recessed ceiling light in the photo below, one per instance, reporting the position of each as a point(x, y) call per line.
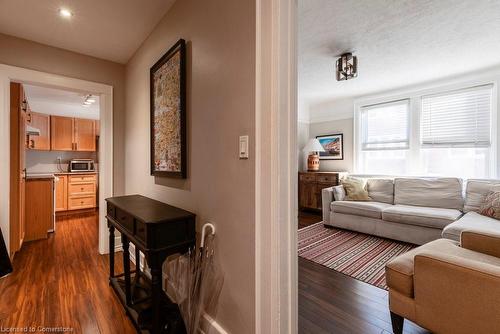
point(91, 100)
point(65, 13)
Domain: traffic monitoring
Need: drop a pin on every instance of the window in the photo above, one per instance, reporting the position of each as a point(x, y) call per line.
point(451, 135)
point(385, 137)
point(385, 126)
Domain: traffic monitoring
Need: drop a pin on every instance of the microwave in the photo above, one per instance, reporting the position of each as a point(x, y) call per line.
point(81, 165)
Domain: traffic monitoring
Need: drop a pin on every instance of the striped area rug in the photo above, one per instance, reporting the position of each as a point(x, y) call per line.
point(358, 255)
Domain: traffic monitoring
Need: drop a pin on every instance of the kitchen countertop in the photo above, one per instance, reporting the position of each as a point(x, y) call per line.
point(40, 177)
point(49, 175)
point(74, 173)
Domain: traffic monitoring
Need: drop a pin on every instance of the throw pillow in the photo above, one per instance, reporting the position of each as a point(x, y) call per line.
point(491, 205)
point(355, 190)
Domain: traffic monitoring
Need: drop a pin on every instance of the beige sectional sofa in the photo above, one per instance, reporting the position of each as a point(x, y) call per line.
point(416, 210)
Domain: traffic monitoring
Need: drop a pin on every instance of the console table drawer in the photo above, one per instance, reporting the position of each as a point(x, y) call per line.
point(125, 220)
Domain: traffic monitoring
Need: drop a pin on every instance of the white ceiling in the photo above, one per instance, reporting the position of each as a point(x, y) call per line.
point(108, 29)
point(60, 102)
point(398, 43)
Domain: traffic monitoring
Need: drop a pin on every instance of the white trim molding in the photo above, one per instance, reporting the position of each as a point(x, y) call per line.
point(276, 168)
point(17, 74)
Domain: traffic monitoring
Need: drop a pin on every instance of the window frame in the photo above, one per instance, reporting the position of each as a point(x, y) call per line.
point(414, 96)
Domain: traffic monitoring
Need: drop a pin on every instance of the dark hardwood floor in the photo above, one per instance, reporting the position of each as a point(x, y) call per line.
point(331, 302)
point(63, 282)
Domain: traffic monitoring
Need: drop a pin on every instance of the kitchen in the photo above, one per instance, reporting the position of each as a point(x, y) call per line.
point(54, 168)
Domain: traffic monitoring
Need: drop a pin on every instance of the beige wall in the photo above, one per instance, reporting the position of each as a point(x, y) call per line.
point(220, 107)
point(302, 139)
point(22, 53)
point(345, 126)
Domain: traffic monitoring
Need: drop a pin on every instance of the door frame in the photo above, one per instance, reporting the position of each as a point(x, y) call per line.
point(22, 75)
point(276, 261)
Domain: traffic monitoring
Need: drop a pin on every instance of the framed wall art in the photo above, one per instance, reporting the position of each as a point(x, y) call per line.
point(168, 113)
point(333, 145)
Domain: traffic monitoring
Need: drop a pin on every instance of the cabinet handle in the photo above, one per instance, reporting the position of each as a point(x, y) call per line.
point(76, 146)
point(32, 143)
point(81, 189)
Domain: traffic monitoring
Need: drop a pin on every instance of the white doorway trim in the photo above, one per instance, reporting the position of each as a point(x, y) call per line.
point(276, 168)
point(105, 92)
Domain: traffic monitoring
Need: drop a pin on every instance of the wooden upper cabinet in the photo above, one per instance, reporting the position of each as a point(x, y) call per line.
point(61, 133)
point(84, 134)
point(41, 122)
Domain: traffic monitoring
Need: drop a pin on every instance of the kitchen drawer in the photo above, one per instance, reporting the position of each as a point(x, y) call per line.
point(307, 177)
point(82, 178)
point(81, 188)
point(82, 202)
point(327, 178)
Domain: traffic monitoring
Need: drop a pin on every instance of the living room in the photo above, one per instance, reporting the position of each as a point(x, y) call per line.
point(398, 167)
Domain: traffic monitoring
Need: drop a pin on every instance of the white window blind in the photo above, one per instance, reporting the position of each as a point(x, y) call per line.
point(385, 126)
point(457, 119)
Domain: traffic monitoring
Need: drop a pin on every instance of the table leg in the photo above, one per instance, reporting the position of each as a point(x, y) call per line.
point(156, 291)
point(111, 251)
point(126, 267)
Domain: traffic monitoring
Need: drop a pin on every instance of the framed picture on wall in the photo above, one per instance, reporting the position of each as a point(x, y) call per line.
point(168, 113)
point(333, 145)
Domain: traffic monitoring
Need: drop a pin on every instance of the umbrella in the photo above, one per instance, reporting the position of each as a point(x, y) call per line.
point(194, 282)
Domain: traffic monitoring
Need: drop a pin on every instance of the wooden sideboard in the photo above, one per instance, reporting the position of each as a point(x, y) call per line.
point(310, 186)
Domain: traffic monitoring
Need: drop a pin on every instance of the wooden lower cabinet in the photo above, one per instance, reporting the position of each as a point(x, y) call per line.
point(39, 208)
point(76, 192)
point(310, 186)
point(61, 188)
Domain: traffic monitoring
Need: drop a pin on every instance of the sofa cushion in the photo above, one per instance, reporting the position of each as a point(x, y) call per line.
point(470, 221)
point(355, 189)
point(381, 190)
point(430, 192)
point(420, 215)
point(365, 209)
point(491, 205)
point(476, 191)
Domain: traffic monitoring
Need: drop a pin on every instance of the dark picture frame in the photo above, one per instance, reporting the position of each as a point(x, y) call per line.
point(333, 145)
point(163, 84)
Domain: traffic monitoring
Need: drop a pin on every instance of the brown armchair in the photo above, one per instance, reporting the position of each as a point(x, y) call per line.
point(446, 287)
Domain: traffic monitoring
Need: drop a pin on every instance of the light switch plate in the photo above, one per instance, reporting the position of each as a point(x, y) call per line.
point(243, 151)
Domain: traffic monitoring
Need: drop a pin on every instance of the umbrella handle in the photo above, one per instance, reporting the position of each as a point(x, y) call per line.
point(203, 231)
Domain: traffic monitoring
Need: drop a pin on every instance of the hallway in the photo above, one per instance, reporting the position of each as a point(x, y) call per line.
point(63, 282)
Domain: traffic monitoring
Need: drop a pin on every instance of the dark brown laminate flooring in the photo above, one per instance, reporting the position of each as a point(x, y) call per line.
point(63, 282)
point(331, 302)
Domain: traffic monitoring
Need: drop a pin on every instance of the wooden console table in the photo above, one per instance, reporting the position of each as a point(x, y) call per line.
point(157, 230)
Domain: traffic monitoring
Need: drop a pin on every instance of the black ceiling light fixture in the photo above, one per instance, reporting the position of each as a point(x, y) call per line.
point(346, 67)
